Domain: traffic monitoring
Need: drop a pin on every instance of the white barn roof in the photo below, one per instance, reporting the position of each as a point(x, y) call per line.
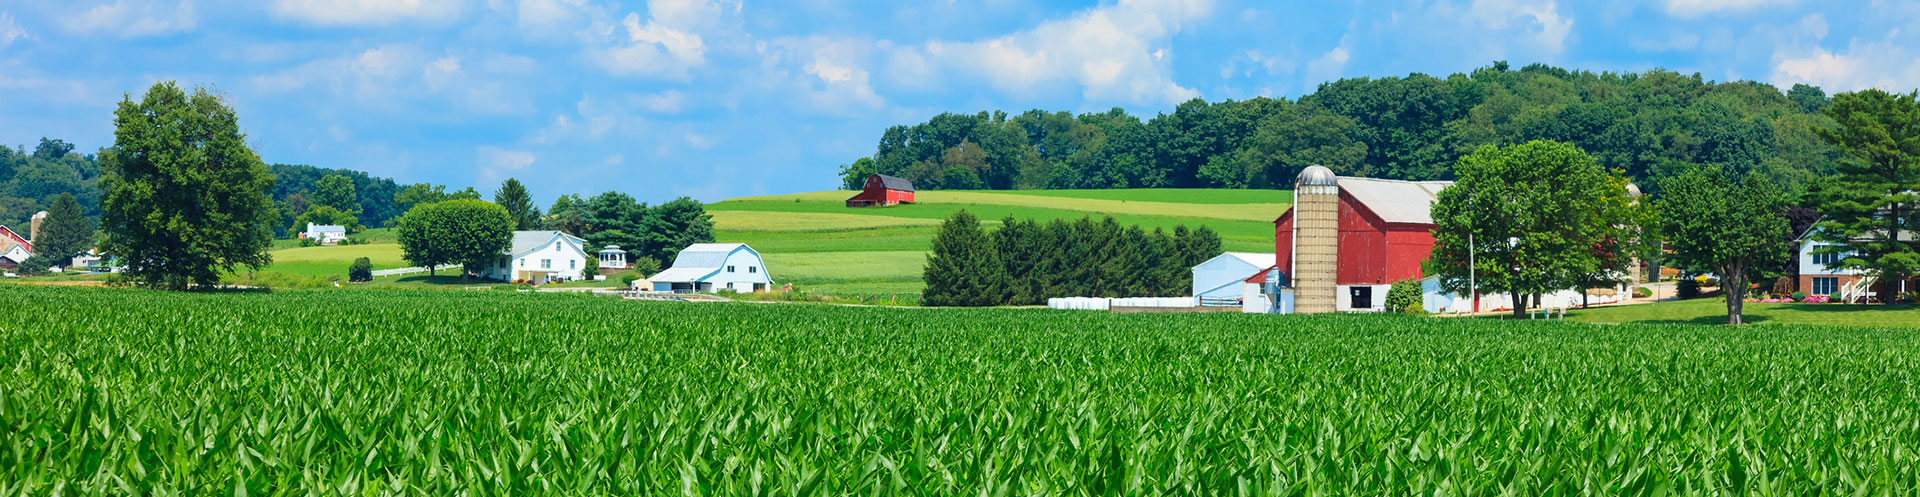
point(698, 261)
point(1396, 201)
point(326, 228)
point(1261, 260)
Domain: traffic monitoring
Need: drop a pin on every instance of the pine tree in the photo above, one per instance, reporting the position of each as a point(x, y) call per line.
point(513, 196)
point(65, 234)
point(964, 268)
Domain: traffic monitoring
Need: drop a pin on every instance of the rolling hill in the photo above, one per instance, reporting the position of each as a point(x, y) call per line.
point(814, 241)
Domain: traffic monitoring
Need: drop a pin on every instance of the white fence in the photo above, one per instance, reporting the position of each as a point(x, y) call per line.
point(411, 270)
point(1102, 304)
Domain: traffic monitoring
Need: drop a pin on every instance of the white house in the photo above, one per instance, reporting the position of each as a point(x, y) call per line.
point(1220, 280)
point(540, 257)
point(325, 234)
point(707, 267)
point(1820, 273)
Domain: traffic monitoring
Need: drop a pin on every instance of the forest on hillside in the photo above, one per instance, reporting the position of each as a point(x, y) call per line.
point(1648, 124)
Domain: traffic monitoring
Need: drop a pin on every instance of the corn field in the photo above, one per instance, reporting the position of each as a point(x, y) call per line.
point(480, 393)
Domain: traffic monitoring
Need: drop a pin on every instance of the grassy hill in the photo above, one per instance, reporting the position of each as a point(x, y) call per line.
point(813, 240)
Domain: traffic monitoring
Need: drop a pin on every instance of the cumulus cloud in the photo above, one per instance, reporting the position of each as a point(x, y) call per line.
point(1883, 64)
point(1111, 53)
point(667, 43)
point(1695, 8)
point(362, 12)
point(823, 75)
point(402, 76)
point(123, 19)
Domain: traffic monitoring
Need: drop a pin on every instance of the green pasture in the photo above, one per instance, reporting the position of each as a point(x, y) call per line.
point(867, 249)
point(1714, 311)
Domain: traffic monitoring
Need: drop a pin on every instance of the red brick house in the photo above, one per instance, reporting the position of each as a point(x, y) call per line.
point(882, 190)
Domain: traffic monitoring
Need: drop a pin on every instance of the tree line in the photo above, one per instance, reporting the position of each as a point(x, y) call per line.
point(1543, 216)
point(1025, 262)
point(182, 200)
point(1648, 125)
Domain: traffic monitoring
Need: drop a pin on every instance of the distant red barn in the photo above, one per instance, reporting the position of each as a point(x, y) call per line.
point(883, 190)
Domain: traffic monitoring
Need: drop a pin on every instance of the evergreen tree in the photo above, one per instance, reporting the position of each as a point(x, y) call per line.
point(964, 268)
point(1019, 244)
point(65, 233)
point(519, 205)
point(186, 200)
point(670, 227)
point(1872, 207)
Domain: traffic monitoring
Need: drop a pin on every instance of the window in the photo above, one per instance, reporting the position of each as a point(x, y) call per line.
point(752, 269)
point(729, 269)
point(546, 263)
point(571, 264)
point(1826, 286)
point(1826, 259)
point(556, 246)
point(1361, 297)
point(523, 263)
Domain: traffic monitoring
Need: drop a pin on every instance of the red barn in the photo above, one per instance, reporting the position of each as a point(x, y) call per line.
point(883, 190)
point(1346, 240)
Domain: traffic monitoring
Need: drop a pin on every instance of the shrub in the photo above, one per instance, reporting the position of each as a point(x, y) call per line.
point(1404, 297)
point(1799, 296)
point(591, 267)
point(646, 266)
point(1835, 297)
point(308, 242)
point(627, 278)
point(1688, 288)
point(361, 271)
point(1642, 292)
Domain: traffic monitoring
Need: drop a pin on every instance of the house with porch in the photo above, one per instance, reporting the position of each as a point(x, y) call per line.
point(539, 257)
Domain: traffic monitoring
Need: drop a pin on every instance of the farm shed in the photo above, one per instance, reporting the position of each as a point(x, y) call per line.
point(707, 267)
point(882, 190)
point(1346, 240)
point(1219, 281)
point(325, 234)
point(539, 257)
point(14, 249)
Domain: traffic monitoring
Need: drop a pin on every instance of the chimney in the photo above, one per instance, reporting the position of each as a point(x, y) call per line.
point(33, 231)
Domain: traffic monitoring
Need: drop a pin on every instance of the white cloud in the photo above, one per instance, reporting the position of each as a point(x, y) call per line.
point(10, 30)
point(614, 160)
point(667, 43)
point(495, 158)
point(667, 102)
point(1882, 64)
point(441, 72)
point(1540, 22)
point(399, 77)
point(362, 12)
point(831, 76)
point(1328, 67)
point(699, 141)
point(133, 20)
point(1112, 53)
point(1693, 8)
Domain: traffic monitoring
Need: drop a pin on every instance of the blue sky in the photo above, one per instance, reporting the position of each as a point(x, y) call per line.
point(724, 98)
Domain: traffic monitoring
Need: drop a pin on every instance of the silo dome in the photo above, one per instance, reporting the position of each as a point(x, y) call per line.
point(1317, 175)
point(1633, 190)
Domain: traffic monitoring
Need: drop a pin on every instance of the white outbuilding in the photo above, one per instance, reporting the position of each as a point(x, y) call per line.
point(325, 234)
point(1220, 281)
point(708, 267)
point(540, 257)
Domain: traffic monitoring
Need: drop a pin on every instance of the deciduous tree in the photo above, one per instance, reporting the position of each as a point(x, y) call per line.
point(1726, 222)
point(1535, 213)
point(186, 199)
point(463, 231)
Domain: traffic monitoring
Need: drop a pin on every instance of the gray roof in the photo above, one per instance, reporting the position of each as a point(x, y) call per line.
point(892, 183)
point(325, 228)
point(1396, 201)
point(1315, 175)
point(528, 241)
point(698, 261)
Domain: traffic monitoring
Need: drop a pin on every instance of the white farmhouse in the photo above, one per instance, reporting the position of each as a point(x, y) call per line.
point(1220, 281)
point(325, 234)
point(707, 267)
point(539, 257)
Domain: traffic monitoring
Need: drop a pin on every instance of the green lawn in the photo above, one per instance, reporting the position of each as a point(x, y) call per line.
point(881, 249)
point(1714, 311)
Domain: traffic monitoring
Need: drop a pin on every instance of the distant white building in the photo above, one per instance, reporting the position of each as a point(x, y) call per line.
point(613, 258)
point(325, 234)
point(708, 267)
point(1221, 280)
point(540, 257)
